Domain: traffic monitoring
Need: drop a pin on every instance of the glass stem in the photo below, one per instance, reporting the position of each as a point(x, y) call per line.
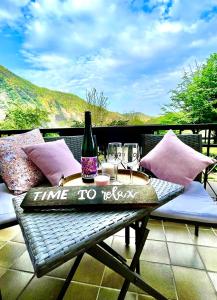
point(116, 172)
point(131, 175)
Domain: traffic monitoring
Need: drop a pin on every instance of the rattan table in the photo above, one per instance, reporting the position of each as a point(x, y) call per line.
point(55, 236)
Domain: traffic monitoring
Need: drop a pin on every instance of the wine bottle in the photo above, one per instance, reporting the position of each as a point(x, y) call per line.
point(89, 152)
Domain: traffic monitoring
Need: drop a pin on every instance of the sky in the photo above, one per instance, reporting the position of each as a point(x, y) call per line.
point(135, 51)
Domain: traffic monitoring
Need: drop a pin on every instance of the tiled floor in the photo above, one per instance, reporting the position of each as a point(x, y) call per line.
point(173, 261)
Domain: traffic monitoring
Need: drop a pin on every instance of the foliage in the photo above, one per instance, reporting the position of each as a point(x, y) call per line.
point(24, 117)
point(97, 104)
point(78, 124)
point(60, 106)
point(118, 123)
point(168, 118)
point(195, 98)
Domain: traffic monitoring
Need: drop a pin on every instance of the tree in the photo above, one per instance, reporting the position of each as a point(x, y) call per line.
point(24, 117)
point(195, 98)
point(77, 124)
point(97, 104)
point(118, 123)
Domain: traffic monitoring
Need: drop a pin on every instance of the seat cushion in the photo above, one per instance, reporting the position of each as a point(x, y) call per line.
point(194, 204)
point(7, 214)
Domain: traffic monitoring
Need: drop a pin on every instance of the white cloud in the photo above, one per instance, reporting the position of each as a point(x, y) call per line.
point(11, 11)
point(134, 53)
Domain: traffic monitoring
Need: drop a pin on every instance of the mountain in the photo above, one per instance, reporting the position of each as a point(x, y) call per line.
point(62, 108)
point(137, 118)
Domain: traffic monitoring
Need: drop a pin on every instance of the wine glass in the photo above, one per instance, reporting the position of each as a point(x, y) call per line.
point(131, 155)
point(114, 155)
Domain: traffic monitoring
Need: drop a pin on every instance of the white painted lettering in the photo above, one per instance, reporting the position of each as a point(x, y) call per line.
point(81, 194)
point(93, 192)
point(36, 195)
point(43, 196)
point(116, 194)
point(64, 194)
point(54, 195)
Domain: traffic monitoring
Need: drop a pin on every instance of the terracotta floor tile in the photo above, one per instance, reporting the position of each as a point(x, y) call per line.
point(193, 284)
point(185, 255)
point(155, 251)
point(80, 291)
point(155, 268)
point(206, 237)
point(122, 232)
point(18, 238)
point(178, 234)
point(156, 232)
point(10, 252)
point(12, 283)
point(2, 271)
point(62, 271)
point(156, 222)
point(118, 245)
point(113, 280)
point(9, 233)
point(145, 297)
point(23, 263)
point(2, 243)
point(89, 271)
point(111, 294)
point(213, 277)
point(42, 288)
point(209, 257)
point(160, 277)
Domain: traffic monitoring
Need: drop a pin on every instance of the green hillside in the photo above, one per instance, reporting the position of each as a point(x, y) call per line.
point(62, 108)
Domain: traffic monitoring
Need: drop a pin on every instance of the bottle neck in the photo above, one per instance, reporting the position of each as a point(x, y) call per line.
point(87, 120)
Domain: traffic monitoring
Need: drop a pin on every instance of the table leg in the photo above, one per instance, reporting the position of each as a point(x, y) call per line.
point(127, 235)
point(69, 277)
point(124, 270)
point(141, 236)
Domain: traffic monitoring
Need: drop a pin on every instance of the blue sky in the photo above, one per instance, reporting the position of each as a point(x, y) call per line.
point(134, 51)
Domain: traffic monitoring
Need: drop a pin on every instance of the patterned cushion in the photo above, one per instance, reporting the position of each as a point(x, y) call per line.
point(18, 172)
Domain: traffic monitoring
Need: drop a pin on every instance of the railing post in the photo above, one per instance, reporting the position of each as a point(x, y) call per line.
point(207, 153)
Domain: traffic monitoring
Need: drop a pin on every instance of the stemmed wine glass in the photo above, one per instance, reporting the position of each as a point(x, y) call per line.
point(131, 155)
point(114, 155)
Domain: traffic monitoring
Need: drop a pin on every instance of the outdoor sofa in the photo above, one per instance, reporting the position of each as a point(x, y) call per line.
point(194, 206)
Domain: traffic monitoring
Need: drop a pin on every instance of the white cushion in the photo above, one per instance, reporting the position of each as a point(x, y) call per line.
point(7, 213)
point(194, 204)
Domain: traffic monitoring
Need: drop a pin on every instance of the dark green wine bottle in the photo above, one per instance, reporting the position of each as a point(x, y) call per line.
point(89, 152)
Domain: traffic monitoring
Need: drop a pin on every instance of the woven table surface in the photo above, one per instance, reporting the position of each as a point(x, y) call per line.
point(55, 236)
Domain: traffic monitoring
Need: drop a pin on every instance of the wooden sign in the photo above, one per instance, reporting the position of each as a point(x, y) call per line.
point(118, 196)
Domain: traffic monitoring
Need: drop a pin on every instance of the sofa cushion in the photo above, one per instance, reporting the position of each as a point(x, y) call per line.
point(174, 161)
point(54, 159)
point(194, 204)
point(7, 214)
point(18, 172)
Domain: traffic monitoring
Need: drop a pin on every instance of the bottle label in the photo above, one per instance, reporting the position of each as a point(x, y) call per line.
point(89, 166)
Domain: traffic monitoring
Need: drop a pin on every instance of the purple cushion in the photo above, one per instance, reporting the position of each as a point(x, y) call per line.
point(17, 171)
point(174, 161)
point(54, 159)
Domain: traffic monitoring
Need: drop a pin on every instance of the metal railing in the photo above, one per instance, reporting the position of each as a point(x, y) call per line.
point(108, 134)
point(124, 134)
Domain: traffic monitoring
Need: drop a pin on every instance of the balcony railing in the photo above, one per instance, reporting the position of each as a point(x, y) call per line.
point(125, 134)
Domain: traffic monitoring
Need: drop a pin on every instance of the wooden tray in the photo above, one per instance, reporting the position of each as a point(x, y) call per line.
point(123, 178)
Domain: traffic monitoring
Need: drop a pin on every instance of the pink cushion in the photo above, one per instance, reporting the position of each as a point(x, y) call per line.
point(18, 172)
point(54, 159)
point(174, 161)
